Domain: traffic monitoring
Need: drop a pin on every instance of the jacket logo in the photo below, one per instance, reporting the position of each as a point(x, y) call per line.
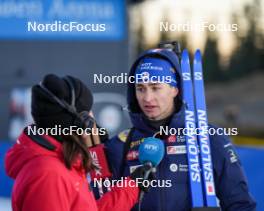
point(96, 163)
point(136, 143)
point(132, 155)
point(171, 139)
point(233, 157)
point(174, 150)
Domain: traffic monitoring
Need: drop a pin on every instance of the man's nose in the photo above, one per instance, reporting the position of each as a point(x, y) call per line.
point(148, 96)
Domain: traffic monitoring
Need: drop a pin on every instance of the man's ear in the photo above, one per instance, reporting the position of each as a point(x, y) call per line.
point(175, 91)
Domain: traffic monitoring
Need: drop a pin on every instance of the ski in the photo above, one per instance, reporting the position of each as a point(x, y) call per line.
point(191, 138)
point(203, 137)
point(201, 177)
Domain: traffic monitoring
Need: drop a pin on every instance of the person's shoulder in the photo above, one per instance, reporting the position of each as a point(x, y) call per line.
point(219, 138)
point(46, 174)
point(222, 150)
point(121, 137)
point(48, 165)
point(117, 141)
point(219, 134)
point(45, 170)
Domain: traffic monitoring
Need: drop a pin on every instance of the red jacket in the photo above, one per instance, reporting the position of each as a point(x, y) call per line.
point(43, 183)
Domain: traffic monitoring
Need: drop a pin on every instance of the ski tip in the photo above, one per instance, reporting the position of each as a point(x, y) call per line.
point(185, 56)
point(185, 53)
point(198, 55)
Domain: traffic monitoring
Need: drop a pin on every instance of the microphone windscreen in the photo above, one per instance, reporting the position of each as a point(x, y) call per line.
point(151, 150)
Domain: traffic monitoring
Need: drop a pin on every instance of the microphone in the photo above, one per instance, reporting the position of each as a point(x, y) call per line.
point(151, 152)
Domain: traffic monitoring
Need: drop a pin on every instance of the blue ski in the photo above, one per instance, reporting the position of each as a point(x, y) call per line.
point(203, 137)
point(191, 138)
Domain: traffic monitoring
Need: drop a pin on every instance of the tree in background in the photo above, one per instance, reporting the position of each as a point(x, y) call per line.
point(211, 61)
point(248, 56)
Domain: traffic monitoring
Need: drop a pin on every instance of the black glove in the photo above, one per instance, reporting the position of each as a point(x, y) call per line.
point(138, 175)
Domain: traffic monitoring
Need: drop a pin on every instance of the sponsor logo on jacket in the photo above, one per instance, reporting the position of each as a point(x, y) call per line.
point(176, 150)
point(136, 143)
point(171, 139)
point(132, 155)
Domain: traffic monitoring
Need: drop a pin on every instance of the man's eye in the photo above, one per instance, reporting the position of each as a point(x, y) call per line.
point(139, 89)
point(155, 88)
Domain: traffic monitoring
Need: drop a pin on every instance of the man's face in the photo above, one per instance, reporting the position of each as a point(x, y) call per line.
point(156, 100)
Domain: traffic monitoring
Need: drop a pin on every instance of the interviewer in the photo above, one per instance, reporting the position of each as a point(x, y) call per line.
point(50, 171)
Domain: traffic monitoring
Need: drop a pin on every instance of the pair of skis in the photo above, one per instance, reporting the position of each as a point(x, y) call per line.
point(197, 140)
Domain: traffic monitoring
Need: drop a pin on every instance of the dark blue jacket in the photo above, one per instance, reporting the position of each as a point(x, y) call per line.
point(230, 182)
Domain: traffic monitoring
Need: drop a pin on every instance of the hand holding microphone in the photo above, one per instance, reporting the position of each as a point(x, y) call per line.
point(141, 174)
point(151, 152)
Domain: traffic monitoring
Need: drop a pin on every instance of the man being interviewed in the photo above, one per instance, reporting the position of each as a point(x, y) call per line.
point(155, 102)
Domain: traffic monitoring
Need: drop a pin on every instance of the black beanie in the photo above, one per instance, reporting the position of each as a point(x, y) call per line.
point(47, 113)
